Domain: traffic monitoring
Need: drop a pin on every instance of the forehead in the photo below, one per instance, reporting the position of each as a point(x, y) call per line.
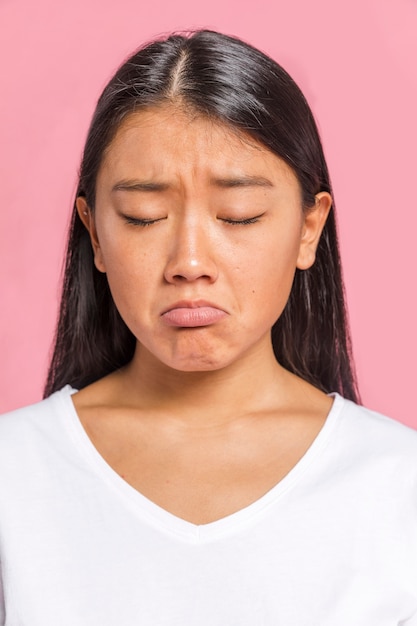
point(160, 141)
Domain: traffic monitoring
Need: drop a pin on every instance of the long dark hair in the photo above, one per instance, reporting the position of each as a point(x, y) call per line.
point(227, 80)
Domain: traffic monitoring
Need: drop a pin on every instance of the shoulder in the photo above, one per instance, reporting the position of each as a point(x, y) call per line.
point(363, 437)
point(36, 445)
point(37, 421)
point(380, 427)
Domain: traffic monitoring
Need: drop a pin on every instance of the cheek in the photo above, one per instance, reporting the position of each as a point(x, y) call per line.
point(274, 261)
point(131, 273)
point(123, 255)
point(270, 274)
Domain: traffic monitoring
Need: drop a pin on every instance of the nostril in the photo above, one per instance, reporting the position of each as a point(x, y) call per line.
point(189, 276)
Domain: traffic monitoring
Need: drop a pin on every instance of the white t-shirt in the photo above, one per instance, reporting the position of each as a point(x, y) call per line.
point(333, 544)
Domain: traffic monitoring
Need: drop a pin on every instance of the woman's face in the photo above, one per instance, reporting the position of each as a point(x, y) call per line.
point(199, 230)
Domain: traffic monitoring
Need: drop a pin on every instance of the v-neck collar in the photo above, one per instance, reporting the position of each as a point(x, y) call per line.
point(163, 519)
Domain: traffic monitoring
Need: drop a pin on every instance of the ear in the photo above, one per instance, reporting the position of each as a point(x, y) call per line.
point(87, 218)
point(314, 221)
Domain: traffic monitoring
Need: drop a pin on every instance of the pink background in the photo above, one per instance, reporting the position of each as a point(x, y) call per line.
point(356, 63)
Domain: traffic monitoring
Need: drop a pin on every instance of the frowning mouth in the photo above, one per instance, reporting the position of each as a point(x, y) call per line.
point(193, 314)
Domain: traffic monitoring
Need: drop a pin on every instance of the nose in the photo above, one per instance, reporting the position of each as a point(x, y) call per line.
point(191, 256)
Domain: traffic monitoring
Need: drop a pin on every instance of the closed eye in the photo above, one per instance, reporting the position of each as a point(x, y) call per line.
point(137, 221)
point(246, 220)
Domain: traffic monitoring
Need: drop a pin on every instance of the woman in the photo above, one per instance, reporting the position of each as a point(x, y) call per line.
point(194, 461)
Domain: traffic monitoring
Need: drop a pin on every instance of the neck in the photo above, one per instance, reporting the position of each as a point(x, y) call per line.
point(252, 381)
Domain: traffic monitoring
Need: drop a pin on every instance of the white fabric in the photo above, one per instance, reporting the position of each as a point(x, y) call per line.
point(333, 544)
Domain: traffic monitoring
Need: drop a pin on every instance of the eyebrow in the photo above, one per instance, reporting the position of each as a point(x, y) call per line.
point(224, 183)
point(242, 181)
point(139, 185)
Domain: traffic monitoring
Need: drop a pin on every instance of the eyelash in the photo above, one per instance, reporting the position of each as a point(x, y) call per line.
point(136, 221)
point(249, 220)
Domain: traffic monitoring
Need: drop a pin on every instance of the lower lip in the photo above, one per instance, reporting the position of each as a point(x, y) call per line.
point(193, 318)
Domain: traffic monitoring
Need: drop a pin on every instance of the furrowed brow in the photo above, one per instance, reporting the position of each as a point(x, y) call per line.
point(242, 181)
point(139, 185)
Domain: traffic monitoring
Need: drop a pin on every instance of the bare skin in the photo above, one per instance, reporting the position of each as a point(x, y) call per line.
point(203, 421)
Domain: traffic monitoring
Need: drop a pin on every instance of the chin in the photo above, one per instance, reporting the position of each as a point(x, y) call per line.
point(202, 362)
point(208, 356)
